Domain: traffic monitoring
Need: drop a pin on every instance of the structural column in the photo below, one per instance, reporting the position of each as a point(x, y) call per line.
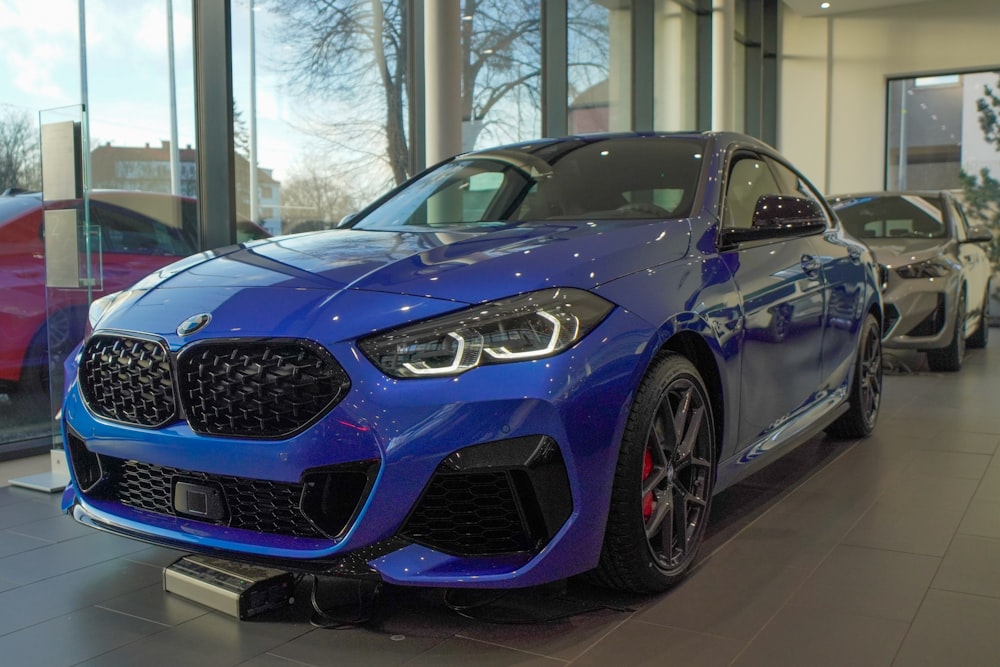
point(213, 76)
point(723, 64)
point(443, 77)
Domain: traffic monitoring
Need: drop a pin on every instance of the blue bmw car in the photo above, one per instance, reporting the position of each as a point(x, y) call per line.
point(524, 364)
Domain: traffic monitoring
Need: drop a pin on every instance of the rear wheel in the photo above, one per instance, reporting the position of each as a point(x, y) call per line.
point(663, 482)
point(949, 359)
point(866, 389)
point(981, 337)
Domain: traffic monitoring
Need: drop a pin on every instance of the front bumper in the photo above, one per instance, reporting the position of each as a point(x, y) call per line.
point(498, 477)
point(919, 314)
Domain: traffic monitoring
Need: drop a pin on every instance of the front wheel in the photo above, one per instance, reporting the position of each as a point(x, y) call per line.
point(866, 389)
point(663, 482)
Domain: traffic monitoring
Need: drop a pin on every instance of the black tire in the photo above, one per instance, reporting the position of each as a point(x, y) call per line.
point(866, 388)
point(981, 336)
point(663, 482)
point(949, 359)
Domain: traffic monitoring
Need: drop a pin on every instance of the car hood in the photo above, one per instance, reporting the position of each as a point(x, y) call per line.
point(464, 267)
point(899, 252)
point(344, 283)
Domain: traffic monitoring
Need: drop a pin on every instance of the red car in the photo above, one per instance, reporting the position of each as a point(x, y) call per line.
point(138, 233)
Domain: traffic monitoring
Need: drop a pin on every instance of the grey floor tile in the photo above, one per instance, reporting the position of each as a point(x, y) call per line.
point(632, 642)
point(155, 605)
point(917, 530)
point(795, 538)
point(61, 594)
point(822, 638)
point(211, 640)
point(869, 582)
point(953, 629)
point(456, 652)
point(982, 519)
point(949, 464)
point(14, 543)
point(155, 556)
point(270, 660)
point(12, 494)
point(910, 489)
point(354, 647)
point(26, 512)
point(65, 556)
point(989, 485)
point(728, 597)
point(55, 529)
point(72, 639)
point(961, 441)
point(565, 639)
point(972, 565)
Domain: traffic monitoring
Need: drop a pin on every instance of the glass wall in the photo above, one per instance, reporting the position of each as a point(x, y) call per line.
point(134, 208)
point(925, 145)
point(326, 118)
point(599, 70)
point(501, 71)
point(676, 66)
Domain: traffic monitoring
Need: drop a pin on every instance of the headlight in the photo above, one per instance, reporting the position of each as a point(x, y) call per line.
point(932, 268)
point(530, 326)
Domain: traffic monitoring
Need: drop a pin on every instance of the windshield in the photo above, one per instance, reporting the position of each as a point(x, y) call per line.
point(621, 178)
point(892, 216)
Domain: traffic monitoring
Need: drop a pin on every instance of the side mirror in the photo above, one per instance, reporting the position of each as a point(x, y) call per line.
point(779, 216)
point(346, 220)
point(979, 234)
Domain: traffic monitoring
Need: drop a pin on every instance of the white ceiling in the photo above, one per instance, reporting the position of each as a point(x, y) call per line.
point(812, 7)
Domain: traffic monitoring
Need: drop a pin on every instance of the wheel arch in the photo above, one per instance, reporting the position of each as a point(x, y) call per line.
point(696, 350)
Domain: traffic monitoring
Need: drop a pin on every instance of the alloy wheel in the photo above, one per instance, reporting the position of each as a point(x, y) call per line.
point(676, 475)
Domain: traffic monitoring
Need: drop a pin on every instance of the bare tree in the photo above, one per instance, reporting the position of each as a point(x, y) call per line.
point(357, 50)
point(19, 160)
point(313, 196)
point(351, 50)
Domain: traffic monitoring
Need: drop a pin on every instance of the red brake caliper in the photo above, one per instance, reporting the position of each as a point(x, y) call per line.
point(647, 500)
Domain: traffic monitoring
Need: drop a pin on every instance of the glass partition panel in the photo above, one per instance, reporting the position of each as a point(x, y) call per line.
point(41, 64)
point(133, 209)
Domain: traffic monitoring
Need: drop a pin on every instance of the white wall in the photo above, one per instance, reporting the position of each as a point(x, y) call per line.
point(833, 73)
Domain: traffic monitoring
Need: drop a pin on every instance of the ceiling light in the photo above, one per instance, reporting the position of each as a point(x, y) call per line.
point(824, 5)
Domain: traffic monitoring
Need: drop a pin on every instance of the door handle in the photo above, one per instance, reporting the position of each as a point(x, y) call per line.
point(811, 265)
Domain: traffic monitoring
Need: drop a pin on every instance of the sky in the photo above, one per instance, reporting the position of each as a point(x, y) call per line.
point(128, 71)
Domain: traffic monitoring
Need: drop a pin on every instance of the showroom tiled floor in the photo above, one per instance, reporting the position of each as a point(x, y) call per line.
point(880, 552)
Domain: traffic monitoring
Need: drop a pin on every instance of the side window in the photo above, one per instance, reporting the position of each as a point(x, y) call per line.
point(749, 178)
point(128, 232)
point(794, 185)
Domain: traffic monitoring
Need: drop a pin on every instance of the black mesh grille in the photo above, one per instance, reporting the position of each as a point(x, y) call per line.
point(469, 514)
point(257, 388)
point(253, 504)
point(128, 379)
point(241, 388)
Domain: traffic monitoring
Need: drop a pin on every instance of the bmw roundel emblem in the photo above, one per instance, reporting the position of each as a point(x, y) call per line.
point(193, 323)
